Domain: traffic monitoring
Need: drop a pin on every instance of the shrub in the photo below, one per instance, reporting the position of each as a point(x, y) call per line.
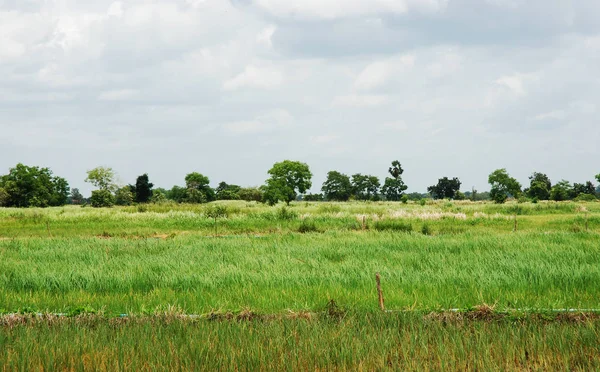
point(102, 198)
point(422, 202)
point(426, 230)
point(307, 226)
point(392, 225)
point(285, 214)
point(404, 199)
point(124, 196)
point(585, 197)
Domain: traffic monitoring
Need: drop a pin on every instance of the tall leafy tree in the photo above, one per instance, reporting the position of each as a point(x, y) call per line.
point(26, 186)
point(503, 186)
point(198, 188)
point(124, 196)
point(445, 188)
point(76, 197)
point(365, 187)
point(587, 188)
point(561, 191)
point(227, 192)
point(337, 187)
point(539, 186)
point(394, 187)
point(143, 189)
point(288, 178)
point(104, 178)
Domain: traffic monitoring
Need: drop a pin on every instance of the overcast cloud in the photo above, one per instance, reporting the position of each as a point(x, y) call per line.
point(227, 88)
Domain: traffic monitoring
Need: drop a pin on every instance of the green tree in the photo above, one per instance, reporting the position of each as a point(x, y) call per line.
point(598, 178)
point(143, 189)
point(102, 198)
point(445, 188)
point(365, 187)
point(198, 188)
point(587, 188)
point(561, 191)
point(103, 178)
point(227, 192)
point(503, 186)
point(177, 194)
point(124, 196)
point(288, 178)
point(158, 196)
point(4, 197)
point(337, 187)
point(394, 187)
point(33, 187)
point(539, 186)
point(76, 197)
point(251, 194)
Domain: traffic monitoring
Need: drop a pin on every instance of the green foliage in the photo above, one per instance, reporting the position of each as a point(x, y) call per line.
point(102, 198)
point(422, 202)
point(393, 225)
point(337, 187)
point(313, 197)
point(177, 194)
point(393, 188)
point(288, 178)
point(307, 226)
point(585, 197)
point(228, 192)
point(124, 196)
point(198, 189)
point(539, 186)
point(251, 194)
point(4, 197)
point(76, 197)
point(103, 178)
point(445, 188)
point(404, 199)
point(158, 196)
point(285, 214)
point(143, 189)
point(503, 186)
point(26, 186)
point(561, 191)
point(426, 229)
point(216, 211)
point(587, 188)
point(365, 187)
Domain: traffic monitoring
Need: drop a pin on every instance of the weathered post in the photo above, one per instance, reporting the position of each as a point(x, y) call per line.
point(379, 292)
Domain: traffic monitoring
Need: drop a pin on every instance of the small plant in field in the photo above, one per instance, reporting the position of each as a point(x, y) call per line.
point(392, 225)
point(426, 229)
point(307, 226)
point(285, 214)
point(422, 202)
point(142, 208)
point(334, 312)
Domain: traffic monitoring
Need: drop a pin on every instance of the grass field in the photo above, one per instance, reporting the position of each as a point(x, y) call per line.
point(266, 277)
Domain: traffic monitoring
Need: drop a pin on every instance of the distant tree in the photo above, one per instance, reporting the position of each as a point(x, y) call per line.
point(365, 187)
point(76, 197)
point(503, 186)
point(102, 198)
point(142, 190)
point(578, 189)
point(251, 194)
point(598, 178)
point(26, 186)
point(539, 186)
point(445, 188)
point(177, 194)
point(4, 197)
point(103, 178)
point(198, 188)
point(393, 188)
point(158, 196)
point(337, 187)
point(313, 197)
point(124, 196)
point(288, 178)
point(561, 191)
point(228, 192)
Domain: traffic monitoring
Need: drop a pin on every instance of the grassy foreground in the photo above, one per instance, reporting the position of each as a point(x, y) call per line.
point(160, 261)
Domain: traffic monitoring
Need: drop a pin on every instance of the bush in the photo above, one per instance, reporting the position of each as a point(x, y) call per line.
point(102, 198)
point(422, 202)
point(585, 197)
point(307, 226)
point(285, 214)
point(124, 196)
point(426, 230)
point(392, 225)
point(404, 199)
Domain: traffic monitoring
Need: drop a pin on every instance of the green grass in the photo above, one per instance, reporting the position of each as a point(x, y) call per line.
point(297, 259)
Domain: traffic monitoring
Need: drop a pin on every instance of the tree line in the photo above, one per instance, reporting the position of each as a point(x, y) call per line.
point(31, 186)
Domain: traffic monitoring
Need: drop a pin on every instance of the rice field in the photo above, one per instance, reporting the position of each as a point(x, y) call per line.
point(468, 286)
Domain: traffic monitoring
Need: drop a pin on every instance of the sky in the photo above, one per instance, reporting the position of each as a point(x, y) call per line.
point(454, 88)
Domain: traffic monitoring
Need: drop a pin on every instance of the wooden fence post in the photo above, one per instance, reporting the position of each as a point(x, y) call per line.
point(379, 292)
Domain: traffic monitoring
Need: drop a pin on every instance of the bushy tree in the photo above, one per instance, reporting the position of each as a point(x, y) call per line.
point(539, 186)
point(503, 186)
point(26, 186)
point(337, 187)
point(102, 198)
point(394, 187)
point(124, 196)
point(365, 187)
point(313, 197)
point(4, 197)
point(76, 197)
point(251, 194)
point(445, 188)
point(288, 178)
point(177, 194)
point(578, 189)
point(158, 196)
point(228, 192)
point(198, 188)
point(561, 191)
point(143, 189)
point(103, 178)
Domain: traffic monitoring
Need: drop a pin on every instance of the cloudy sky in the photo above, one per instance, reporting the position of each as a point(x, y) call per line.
point(228, 87)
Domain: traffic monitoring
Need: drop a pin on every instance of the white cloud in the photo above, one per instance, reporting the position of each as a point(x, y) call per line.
point(268, 122)
point(265, 35)
point(255, 77)
point(514, 83)
point(332, 9)
point(118, 95)
point(323, 139)
point(361, 100)
point(115, 9)
point(377, 73)
point(399, 126)
point(552, 115)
